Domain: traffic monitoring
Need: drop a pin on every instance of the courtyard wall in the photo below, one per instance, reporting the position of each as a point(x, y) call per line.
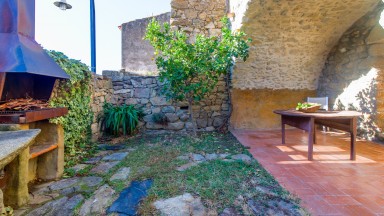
point(145, 92)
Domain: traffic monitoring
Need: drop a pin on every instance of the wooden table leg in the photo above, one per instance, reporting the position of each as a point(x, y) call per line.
point(311, 128)
point(353, 137)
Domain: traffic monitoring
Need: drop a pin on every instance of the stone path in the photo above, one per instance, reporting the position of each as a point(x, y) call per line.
point(66, 196)
point(90, 193)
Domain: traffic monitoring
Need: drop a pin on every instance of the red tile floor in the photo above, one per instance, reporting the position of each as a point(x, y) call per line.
point(331, 184)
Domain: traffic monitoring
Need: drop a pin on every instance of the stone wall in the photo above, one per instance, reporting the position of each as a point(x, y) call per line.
point(193, 17)
point(353, 74)
point(291, 39)
point(145, 93)
point(102, 91)
point(137, 54)
point(290, 43)
point(198, 17)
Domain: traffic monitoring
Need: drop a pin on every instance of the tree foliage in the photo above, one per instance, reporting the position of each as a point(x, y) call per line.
point(191, 70)
point(75, 94)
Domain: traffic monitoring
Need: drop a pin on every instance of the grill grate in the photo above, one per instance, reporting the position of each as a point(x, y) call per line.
point(27, 116)
point(7, 112)
point(11, 112)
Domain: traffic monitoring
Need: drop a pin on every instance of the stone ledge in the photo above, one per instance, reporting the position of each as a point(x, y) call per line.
point(13, 142)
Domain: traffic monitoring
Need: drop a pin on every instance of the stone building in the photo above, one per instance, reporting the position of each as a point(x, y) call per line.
point(137, 54)
point(299, 48)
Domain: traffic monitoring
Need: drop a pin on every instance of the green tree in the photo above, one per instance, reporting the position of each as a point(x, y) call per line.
point(190, 70)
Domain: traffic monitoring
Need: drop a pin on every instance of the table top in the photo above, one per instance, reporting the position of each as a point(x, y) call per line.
point(13, 142)
point(319, 114)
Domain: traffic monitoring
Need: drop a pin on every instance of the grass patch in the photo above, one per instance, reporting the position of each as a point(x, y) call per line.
point(219, 183)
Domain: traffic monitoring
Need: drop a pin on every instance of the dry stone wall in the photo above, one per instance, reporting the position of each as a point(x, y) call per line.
point(198, 17)
point(353, 74)
point(102, 91)
point(145, 92)
point(126, 87)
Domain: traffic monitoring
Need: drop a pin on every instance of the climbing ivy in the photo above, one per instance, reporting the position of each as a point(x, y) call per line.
point(75, 94)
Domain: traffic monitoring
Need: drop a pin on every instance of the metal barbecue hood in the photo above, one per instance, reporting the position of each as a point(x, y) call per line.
point(19, 52)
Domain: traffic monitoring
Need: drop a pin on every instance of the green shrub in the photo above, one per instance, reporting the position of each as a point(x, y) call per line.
point(75, 94)
point(123, 118)
point(160, 118)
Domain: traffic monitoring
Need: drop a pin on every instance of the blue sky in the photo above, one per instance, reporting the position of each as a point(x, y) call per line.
point(68, 31)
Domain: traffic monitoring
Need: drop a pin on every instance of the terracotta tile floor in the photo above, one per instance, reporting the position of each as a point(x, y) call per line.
point(329, 185)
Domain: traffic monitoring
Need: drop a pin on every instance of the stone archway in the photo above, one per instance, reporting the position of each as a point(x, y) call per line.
point(291, 42)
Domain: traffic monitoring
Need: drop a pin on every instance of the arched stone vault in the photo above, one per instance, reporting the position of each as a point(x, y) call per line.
point(291, 40)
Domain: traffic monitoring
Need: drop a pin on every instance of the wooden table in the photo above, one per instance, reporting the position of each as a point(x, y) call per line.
point(341, 120)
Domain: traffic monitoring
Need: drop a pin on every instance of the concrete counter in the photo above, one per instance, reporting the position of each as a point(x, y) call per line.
point(12, 143)
point(14, 158)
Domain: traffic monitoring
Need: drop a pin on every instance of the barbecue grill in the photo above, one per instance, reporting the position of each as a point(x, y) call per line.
point(26, 70)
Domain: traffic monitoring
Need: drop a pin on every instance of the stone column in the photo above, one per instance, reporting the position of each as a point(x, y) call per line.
point(16, 192)
point(50, 165)
point(1, 201)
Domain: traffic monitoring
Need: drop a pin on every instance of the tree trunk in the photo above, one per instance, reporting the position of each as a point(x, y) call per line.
point(191, 119)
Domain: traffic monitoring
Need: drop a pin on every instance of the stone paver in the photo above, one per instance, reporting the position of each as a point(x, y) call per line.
point(93, 160)
point(223, 155)
point(79, 167)
point(119, 156)
point(121, 174)
point(98, 202)
point(62, 184)
point(184, 205)
point(104, 168)
point(186, 166)
point(62, 206)
point(211, 156)
point(331, 184)
point(102, 153)
point(70, 186)
point(50, 208)
point(91, 181)
point(111, 147)
point(197, 158)
point(41, 198)
point(71, 204)
point(243, 157)
point(183, 157)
